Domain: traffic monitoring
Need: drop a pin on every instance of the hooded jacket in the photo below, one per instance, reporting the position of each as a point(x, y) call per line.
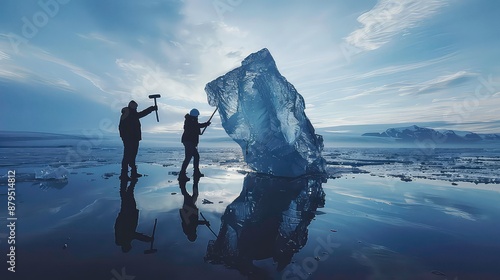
point(192, 129)
point(130, 126)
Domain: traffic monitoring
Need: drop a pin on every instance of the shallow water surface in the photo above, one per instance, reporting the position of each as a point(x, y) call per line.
point(354, 227)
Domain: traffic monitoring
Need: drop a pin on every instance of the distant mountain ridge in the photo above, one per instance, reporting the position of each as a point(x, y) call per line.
point(416, 133)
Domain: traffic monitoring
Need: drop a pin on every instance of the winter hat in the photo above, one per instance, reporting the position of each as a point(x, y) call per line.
point(194, 113)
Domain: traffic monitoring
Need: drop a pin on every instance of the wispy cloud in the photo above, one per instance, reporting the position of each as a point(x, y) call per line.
point(389, 18)
point(89, 76)
point(97, 37)
point(152, 78)
point(439, 83)
point(4, 55)
point(382, 72)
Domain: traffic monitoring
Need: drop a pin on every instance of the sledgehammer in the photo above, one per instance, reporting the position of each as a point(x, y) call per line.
point(155, 96)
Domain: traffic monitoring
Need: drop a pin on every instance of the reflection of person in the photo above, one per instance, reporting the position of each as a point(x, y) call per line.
point(130, 132)
point(190, 139)
point(128, 218)
point(189, 212)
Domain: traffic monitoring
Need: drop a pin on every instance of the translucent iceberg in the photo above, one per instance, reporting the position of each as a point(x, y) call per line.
point(264, 114)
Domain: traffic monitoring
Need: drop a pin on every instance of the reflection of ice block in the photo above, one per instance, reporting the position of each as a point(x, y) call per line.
point(264, 114)
point(269, 219)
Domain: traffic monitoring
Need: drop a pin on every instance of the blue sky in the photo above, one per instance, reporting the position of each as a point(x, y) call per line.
point(67, 66)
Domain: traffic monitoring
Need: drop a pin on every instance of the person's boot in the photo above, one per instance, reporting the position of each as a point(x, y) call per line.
point(134, 174)
point(183, 177)
point(124, 175)
point(197, 173)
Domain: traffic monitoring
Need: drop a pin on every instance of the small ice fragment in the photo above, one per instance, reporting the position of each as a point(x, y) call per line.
point(437, 272)
point(108, 175)
point(206, 201)
point(48, 173)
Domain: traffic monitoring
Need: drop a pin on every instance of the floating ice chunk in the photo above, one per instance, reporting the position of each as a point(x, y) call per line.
point(264, 114)
point(49, 173)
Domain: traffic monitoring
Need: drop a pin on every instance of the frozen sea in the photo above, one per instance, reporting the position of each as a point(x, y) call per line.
point(380, 214)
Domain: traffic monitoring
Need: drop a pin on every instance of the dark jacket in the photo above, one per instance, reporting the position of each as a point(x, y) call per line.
point(130, 126)
point(192, 129)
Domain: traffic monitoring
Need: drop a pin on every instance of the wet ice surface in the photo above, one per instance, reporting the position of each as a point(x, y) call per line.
point(369, 226)
point(454, 165)
point(474, 165)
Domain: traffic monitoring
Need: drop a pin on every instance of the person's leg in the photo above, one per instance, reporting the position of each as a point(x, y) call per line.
point(125, 160)
point(135, 149)
point(196, 163)
point(189, 149)
point(188, 154)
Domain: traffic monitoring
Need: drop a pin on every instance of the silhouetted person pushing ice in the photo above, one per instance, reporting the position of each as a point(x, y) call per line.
point(128, 218)
point(189, 212)
point(190, 139)
point(130, 132)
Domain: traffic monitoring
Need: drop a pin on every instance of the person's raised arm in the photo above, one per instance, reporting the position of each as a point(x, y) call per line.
point(147, 111)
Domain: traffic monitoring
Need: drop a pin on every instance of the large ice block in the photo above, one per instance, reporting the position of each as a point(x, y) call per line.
point(264, 114)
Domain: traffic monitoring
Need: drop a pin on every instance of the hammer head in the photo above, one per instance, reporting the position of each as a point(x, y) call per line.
point(154, 96)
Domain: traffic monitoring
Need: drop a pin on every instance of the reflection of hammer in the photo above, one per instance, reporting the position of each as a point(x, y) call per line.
point(151, 250)
point(155, 96)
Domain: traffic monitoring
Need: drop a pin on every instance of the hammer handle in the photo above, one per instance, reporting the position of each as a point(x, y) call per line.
point(158, 120)
point(153, 236)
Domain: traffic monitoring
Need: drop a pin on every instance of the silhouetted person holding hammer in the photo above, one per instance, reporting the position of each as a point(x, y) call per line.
point(130, 132)
point(189, 212)
point(128, 218)
point(190, 139)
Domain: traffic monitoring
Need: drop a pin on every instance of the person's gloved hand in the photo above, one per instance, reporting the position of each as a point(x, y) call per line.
point(208, 123)
point(154, 108)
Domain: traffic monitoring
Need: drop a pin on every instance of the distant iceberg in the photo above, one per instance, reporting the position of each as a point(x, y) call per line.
point(417, 134)
point(264, 114)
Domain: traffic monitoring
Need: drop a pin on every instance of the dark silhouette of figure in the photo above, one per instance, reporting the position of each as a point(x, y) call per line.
point(130, 132)
point(190, 139)
point(189, 212)
point(128, 218)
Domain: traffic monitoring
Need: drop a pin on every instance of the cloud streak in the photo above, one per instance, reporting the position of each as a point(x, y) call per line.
point(444, 82)
point(389, 18)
